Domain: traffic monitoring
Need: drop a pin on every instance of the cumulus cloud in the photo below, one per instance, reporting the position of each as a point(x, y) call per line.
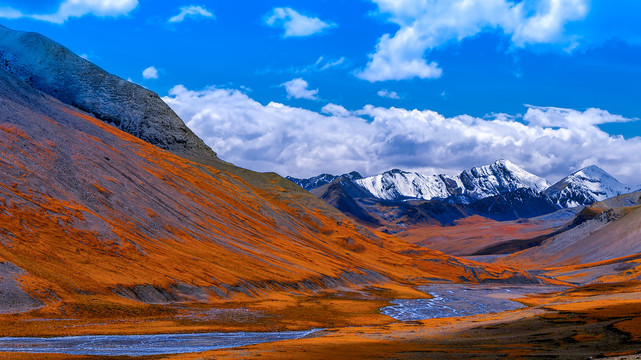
point(191, 11)
point(388, 94)
point(77, 8)
point(150, 73)
point(296, 24)
point(298, 89)
point(549, 142)
point(426, 25)
point(568, 118)
point(336, 110)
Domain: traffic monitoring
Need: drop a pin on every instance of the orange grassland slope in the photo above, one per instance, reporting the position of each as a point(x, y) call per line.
point(101, 222)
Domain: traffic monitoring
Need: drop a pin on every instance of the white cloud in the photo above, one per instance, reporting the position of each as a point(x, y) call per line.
point(77, 8)
point(150, 73)
point(568, 118)
point(321, 64)
point(298, 89)
point(10, 13)
point(296, 24)
point(550, 142)
point(388, 94)
point(336, 110)
point(426, 25)
point(191, 11)
point(547, 23)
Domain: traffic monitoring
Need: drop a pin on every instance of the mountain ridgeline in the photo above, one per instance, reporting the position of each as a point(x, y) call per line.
point(55, 70)
point(477, 183)
point(322, 179)
point(501, 191)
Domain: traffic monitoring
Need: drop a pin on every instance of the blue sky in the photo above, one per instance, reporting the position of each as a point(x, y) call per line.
point(341, 62)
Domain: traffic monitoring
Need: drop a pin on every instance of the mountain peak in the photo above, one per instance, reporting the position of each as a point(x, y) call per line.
point(586, 186)
point(503, 161)
point(593, 171)
point(354, 175)
point(55, 70)
point(499, 177)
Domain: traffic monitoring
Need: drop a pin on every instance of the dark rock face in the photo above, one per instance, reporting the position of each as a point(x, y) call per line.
point(55, 70)
point(344, 195)
point(520, 203)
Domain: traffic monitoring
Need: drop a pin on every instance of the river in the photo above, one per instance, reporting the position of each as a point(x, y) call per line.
point(452, 300)
point(140, 345)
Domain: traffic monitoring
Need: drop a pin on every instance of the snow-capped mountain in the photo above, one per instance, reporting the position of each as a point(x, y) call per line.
point(477, 183)
point(586, 186)
point(499, 178)
point(398, 184)
point(322, 179)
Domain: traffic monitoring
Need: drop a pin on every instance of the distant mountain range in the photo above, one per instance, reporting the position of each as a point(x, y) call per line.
point(322, 179)
point(501, 190)
point(477, 183)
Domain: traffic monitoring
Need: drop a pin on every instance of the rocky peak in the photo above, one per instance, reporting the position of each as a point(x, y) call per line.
point(55, 70)
point(587, 186)
point(500, 177)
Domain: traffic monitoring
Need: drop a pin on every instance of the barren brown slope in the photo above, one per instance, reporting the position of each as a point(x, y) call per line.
point(605, 245)
point(88, 209)
point(476, 234)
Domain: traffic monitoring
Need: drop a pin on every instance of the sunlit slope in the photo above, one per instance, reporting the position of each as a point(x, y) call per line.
point(88, 209)
point(604, 244)
point(477, 235)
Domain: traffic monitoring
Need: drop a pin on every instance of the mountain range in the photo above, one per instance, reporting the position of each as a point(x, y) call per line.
point(477, 183)
point(495, 190)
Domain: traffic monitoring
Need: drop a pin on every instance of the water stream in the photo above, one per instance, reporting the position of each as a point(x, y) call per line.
point(451, 300)
point(140, 345)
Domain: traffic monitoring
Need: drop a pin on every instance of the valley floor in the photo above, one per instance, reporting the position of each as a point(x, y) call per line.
point(602, 320)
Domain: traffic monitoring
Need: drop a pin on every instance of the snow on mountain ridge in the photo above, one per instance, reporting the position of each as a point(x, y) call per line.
point(397, 184)
point(499, 177)
point(587, 186)
point(583, 187)
point(477, 183)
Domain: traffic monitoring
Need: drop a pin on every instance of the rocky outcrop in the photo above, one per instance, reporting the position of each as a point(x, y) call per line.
point(55, 70)
point(13, 299)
